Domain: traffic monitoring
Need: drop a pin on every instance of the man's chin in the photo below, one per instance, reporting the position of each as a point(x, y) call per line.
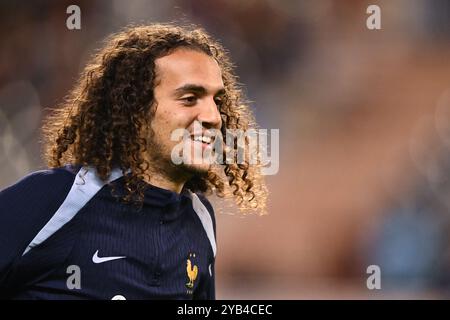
point(196, 169)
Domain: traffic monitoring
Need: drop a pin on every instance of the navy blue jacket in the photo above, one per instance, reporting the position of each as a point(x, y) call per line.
point(63, 235)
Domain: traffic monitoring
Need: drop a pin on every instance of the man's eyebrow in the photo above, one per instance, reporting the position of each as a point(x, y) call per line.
point(200, 90)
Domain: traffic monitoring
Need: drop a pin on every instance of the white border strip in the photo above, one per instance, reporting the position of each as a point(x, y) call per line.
point(84, 188)
point(205, 218)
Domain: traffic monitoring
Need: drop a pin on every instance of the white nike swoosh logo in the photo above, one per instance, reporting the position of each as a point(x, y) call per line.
point(97, 259)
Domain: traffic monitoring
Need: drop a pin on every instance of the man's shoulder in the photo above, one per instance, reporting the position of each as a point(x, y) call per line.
point(26, 206)
point(38, 191)
point(48, 177)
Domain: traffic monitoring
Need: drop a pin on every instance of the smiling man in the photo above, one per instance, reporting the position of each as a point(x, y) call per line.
point(190, 91)
point(114, 217)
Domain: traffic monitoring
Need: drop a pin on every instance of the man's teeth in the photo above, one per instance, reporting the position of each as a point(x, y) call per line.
point(203, 139)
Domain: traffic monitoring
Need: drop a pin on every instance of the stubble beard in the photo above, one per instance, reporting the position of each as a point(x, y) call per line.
point(161, 162)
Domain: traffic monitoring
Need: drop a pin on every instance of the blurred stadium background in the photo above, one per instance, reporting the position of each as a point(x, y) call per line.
point(364, 119)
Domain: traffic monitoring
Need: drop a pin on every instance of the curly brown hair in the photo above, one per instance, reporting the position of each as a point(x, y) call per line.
point(100, 123)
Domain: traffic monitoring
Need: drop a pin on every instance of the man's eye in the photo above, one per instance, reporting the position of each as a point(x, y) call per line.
point(218, 101)
point(190, 100)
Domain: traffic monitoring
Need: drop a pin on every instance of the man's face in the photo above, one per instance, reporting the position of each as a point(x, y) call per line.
point(189, 91)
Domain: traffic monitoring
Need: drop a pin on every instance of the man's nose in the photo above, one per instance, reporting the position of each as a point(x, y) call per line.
point(209, 115)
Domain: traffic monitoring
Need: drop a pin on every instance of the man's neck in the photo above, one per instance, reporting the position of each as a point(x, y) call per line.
point(166, 177)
